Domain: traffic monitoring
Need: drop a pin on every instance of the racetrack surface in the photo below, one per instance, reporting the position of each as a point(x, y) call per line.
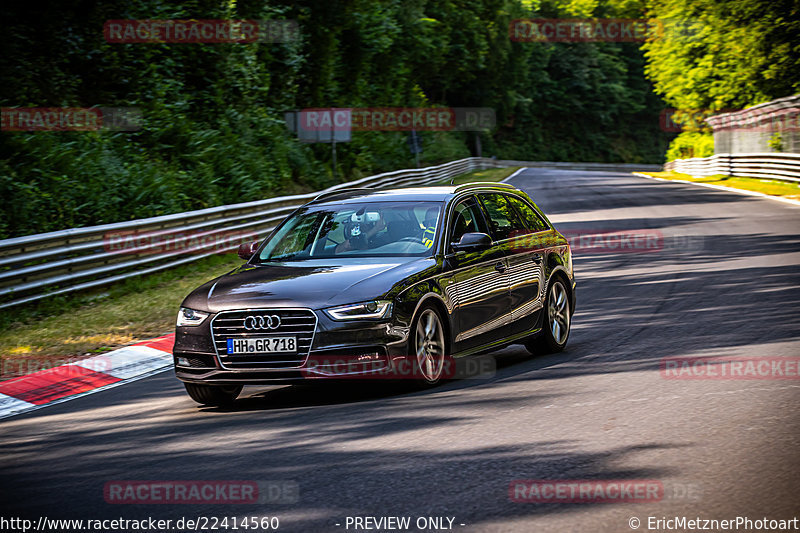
point(724, 282)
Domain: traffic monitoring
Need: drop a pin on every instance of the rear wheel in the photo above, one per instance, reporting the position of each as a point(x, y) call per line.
point(556, 324)
point(429, 347)
point(213, 395)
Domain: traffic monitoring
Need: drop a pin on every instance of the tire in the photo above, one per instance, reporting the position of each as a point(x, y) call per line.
point(556, 321)
point(213, 395)
point(428, 347)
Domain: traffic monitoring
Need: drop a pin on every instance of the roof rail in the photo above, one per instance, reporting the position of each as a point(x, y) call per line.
point(343, 189)
point(484, 184)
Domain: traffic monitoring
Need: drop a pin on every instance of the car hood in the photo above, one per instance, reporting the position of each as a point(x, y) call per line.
point(313, 284)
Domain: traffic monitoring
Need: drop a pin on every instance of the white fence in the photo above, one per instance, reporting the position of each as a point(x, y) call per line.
point(776, 166)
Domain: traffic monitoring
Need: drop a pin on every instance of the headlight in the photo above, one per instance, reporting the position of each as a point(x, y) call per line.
point(374, 309)
point(190, 317)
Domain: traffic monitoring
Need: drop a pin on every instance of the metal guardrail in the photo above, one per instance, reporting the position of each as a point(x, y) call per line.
point(775, 166)
point(37, 266)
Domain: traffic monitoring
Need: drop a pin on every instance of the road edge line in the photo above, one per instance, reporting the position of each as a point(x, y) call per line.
point(513, 174)
point(789, 201)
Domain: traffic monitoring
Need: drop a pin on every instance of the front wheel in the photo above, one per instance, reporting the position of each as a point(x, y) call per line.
point(556, 326)
point(429, 347)
point(213, 395)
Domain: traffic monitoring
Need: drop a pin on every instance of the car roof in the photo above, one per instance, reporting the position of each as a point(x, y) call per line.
point(432, 193)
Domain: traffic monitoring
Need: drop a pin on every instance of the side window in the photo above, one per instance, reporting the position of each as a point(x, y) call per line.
point(532, 220)
point(504, 220)
point(466, 219)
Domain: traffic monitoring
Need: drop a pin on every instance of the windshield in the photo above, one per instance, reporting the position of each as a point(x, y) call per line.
point(369, 229)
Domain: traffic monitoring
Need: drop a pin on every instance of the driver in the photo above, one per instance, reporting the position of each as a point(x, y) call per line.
point(359, 231)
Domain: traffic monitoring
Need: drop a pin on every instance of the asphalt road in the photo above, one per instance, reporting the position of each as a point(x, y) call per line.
point(725, 281)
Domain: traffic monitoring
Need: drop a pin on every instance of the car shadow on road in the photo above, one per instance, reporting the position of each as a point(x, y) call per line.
point(363, 457)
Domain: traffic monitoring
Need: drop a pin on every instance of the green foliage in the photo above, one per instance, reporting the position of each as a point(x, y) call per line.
point(776, 142)
point(717, 55)
point(691, 144)
point(213, 129)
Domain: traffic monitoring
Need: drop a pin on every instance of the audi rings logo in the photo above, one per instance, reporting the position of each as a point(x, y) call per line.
point(262, 322)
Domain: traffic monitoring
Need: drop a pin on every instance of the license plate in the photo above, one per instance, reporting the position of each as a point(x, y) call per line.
point(264, 345)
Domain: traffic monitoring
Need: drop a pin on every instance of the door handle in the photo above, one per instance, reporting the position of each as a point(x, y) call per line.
point(500, 267)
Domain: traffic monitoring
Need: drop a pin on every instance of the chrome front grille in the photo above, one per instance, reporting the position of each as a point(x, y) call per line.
point(299, 323)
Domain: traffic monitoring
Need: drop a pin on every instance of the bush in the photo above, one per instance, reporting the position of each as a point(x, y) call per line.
point(691, 144)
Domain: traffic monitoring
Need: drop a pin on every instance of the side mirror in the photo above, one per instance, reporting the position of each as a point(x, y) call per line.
point(473, 242)
point(247, 250)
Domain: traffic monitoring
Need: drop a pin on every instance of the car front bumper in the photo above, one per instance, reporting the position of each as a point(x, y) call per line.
point(340, 350)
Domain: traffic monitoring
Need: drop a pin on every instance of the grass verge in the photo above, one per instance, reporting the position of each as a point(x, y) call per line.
point(765, 186)
point(88, 323)
point(134, 310)
point(490, 174)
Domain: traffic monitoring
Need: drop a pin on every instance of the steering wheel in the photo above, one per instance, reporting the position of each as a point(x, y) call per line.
point(410, 239)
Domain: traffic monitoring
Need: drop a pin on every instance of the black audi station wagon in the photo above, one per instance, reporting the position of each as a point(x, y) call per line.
point(365, 283)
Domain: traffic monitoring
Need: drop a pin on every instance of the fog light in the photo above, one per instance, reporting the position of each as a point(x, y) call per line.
point(182, 361)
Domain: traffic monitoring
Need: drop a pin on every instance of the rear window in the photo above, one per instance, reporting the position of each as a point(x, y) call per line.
point(531, 218)
point(503, 218)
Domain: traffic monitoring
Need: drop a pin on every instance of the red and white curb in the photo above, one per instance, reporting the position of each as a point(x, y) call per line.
point(67, 382)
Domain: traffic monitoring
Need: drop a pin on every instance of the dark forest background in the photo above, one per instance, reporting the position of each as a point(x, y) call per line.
point(213, 125)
